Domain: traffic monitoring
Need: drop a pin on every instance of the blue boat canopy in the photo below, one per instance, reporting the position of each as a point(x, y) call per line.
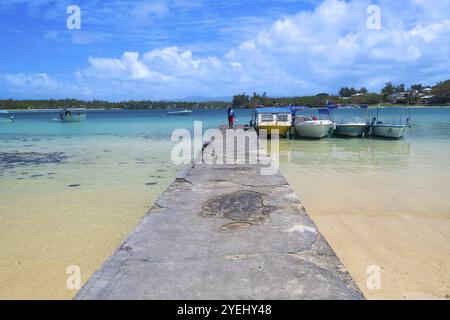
point(4, 112)
point(294, 109)
point(324, 111)
point(272, 110)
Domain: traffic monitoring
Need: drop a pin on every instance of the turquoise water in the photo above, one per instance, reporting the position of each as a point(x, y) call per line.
point(70, 193)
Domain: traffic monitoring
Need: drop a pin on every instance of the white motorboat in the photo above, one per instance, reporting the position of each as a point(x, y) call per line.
point(392, 130)
point(312, 127)
point(351, 129)
point(354, 128)
point(386, 130)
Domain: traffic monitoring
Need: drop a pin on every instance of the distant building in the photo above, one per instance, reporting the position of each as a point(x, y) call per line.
point(400, 97)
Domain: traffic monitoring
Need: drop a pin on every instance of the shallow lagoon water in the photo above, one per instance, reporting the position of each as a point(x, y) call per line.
point(382, 202)
point(70, 193)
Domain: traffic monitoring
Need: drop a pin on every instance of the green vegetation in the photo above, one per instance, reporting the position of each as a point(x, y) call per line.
point(391, 94)
point(99, 104)
point(441, 93)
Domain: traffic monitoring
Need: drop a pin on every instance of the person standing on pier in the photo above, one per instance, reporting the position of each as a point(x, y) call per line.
point(231, 117)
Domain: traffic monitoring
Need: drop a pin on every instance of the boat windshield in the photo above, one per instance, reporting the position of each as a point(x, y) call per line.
point(302, 119)
point(266, 117)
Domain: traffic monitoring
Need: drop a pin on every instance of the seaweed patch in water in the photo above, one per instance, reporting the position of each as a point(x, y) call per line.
point(9, 160)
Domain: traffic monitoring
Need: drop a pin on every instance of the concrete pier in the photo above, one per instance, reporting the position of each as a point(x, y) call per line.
point(224, 232)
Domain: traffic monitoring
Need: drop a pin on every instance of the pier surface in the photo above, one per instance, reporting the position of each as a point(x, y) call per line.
point(224, 232)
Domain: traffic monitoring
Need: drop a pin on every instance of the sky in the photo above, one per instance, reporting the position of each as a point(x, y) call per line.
point(175, 49)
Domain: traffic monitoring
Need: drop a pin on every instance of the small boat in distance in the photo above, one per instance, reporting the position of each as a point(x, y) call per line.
point(389, 130)
point(185, 112)
point(6, 117)
point(72, 115)
point(271, 119)
point(313, 127)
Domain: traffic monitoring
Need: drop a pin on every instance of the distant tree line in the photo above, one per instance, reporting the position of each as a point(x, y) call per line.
point(101, 104)
point(416, 94)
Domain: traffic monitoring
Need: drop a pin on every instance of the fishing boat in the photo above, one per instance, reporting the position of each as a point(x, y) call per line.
point(272, 119)
point(355, 128)
point(389, 130)
point(351, 129)
point(6, 117)
point(386, 130)
point(72, 115)
point(313, 127)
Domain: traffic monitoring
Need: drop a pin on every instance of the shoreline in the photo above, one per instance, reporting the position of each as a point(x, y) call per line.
point(237, 108)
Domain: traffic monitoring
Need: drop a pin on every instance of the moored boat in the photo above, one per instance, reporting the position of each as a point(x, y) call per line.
point(386, 130)
point(389, 130)
point(351, 129)
point(272, 120)
point(354, 128)
point(313, 127)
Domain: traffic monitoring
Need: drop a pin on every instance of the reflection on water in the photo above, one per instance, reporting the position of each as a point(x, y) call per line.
point(346, 154)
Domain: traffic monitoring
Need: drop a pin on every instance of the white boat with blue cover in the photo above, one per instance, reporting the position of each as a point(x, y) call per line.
point(389, 130)
point(355, 128)
point(313, 127)
point(272, 120)
point(351, 129)
point(386, 130)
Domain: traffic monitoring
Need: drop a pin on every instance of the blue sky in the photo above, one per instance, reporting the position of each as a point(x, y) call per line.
point(170, 49)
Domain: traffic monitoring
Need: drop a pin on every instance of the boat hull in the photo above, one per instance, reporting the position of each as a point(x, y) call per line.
point(350, 130)
point(389, 131)
point(73, 118)
point(282, 130)
point(314, 129)
point(180, 113)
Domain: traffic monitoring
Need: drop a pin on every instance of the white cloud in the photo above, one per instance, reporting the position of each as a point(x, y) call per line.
point(305, 53)
point(128, 67)
point(31, 81)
